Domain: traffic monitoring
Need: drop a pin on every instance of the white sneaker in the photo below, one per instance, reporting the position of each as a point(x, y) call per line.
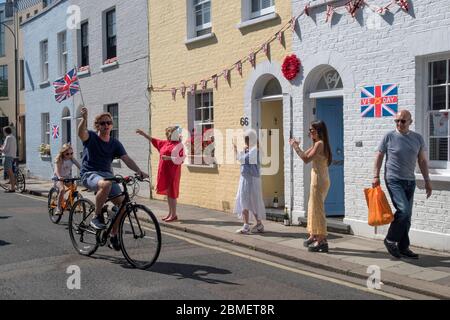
point(58, 212)
point(259, 228)
point(243, 230)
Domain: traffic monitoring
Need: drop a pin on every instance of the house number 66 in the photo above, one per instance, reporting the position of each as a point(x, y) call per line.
point(244, 122)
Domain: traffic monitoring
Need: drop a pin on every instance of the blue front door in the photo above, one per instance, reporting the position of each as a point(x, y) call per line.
point(330, 110)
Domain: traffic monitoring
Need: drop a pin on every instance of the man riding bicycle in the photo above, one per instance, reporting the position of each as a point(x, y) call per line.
point(100, 149)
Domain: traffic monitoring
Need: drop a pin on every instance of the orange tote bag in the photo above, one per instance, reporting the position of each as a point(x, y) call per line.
point(380, 212)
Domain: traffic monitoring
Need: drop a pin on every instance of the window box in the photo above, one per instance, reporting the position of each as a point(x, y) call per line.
point(45, 151)
point(110, 63)
point(85, 70)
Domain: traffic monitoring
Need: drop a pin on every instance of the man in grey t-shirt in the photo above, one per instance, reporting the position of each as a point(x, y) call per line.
point(403, 148)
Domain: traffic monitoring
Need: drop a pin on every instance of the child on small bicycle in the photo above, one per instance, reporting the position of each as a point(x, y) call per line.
point(63, 170)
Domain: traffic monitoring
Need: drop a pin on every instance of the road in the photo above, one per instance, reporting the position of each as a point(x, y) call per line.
point(35, 256)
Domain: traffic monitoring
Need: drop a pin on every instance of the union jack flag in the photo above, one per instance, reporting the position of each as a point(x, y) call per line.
point(55, 131)
point(67, 86)
point(379, 101)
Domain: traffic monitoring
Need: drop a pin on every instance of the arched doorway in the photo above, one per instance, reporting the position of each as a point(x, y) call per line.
point(66, 126)
point(270, 122)
point(327, 98)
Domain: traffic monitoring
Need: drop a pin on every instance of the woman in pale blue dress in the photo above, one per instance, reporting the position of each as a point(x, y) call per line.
point(249, 198)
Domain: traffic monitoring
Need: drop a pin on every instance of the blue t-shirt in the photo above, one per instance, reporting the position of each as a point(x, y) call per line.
point(402, 152)
point(98, 155)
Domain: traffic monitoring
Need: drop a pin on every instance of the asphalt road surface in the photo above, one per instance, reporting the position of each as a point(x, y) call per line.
point(35, 256)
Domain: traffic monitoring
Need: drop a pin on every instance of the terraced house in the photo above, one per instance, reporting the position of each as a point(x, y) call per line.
point(203, 80)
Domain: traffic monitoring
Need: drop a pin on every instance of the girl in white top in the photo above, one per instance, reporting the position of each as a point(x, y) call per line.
point(63, 170)
point(249, 198)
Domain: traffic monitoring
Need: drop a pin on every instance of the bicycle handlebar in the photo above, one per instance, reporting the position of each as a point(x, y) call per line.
point(125, 180)
point(69, 180)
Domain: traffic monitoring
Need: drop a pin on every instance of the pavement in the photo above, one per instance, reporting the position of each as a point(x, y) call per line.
point(349, 255)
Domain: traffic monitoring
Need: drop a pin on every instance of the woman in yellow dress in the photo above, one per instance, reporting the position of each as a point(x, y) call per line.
point(321, 157)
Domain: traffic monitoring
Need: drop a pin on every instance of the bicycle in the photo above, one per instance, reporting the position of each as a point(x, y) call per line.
point(18, 174)
point(72, 197)
point(139, 231)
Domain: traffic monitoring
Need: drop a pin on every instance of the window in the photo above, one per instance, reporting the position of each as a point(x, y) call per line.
point(28, 16)
point(114, 110)
point(202, 11)
point(45, 128)
point(262, 7)
point(4, 81)
point(84, 44)
point(111, 35)
point(36, 12)
point(438, 110)
point(62, 48)
point(2, 34)
point(20, 19)
point(22, 74)
point(44, 60)
point(202, 134)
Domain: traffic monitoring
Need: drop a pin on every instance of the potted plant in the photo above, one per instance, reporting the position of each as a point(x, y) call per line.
point(44, 150)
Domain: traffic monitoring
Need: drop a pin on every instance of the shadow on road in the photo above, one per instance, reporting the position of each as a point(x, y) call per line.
point(191, 271)
point(4, 217)
point(4, 243)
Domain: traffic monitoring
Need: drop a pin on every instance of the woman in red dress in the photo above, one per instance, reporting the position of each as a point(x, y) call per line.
point(171, 158)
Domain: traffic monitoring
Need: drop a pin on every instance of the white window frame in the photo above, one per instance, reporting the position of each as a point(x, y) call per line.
point(263, 11)
point(4, 72)
point(204, 25)
point(45, 128)
point(196, 124)
point(62, 53)
point(115, 119)
point(191, 28)
point(437, 166)
point(44, 60)
point(80, 44)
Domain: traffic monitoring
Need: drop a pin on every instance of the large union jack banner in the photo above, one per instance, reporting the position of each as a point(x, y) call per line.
point(379, 101)
point(67, 86)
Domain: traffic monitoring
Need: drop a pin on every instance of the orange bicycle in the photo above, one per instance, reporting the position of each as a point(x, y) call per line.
point(72, 196)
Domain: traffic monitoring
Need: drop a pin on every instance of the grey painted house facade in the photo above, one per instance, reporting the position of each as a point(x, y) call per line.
point(110, 49)
point(47, 58)
point(409, 49)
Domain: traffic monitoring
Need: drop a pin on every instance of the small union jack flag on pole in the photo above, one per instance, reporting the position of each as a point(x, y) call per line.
point(66, 86)
point(55, 131)
point(379, 101)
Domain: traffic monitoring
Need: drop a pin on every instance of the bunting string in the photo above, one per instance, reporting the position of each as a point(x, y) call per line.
point(351, 7)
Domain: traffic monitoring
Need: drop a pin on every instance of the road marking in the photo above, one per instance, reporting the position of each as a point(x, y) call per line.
point(283, 267)
point(32, 197)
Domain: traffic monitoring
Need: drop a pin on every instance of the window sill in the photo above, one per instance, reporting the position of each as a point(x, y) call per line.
point(46, 158)
point(202, 166)
point(44, 84)
point(4, 98)
point(443, 177)
point(251, 22)
point(109, 65)
point(84, 72)
point(201, 38)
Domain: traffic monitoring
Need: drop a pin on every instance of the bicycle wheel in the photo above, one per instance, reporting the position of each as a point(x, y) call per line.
point(20, 181)
point(83, 236)
point(140, 237)
point(52, 203)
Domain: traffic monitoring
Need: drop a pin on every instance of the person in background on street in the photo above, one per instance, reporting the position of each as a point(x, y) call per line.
point(320, 156)
point(249, 198)
point(63, 170)
point(9, 149)
point(169, 170)
point(403, 148)
point(100, 149)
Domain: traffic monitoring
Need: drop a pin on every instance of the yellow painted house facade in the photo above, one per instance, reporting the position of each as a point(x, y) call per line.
point(193, 40)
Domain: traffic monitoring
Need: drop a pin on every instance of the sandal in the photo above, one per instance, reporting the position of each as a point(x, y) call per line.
point(173, 219)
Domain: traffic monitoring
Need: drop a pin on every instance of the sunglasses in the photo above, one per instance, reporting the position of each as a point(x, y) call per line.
point(312, 130)
point(68, 154)
point(402, 121)
point(104, 123)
